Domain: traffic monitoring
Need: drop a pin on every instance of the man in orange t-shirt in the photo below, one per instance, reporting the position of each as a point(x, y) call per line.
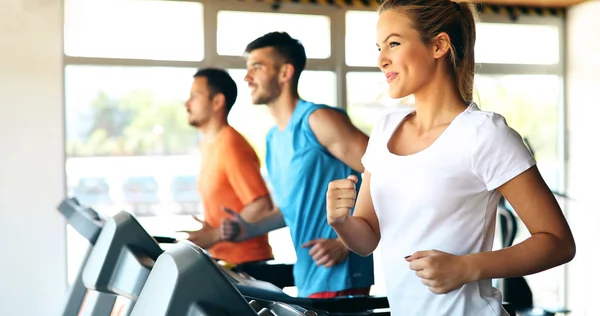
point(230, 170)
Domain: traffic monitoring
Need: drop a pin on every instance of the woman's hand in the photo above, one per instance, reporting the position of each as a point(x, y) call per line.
point(341, 195)
point(441, 272)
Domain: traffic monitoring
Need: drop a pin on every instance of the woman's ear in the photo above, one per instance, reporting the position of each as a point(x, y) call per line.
point(441, 45)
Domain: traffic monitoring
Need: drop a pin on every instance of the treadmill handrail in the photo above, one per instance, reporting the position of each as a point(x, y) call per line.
point(84, 220)
point(337, 304)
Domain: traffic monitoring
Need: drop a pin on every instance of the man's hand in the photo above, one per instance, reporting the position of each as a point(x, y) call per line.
point(233, 228)
point(205, 237)
point(327, 252)
point(237, 229)
point(441, 272)
point(341, 195)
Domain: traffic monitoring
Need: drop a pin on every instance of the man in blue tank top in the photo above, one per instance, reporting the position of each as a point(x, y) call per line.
point(310, 146)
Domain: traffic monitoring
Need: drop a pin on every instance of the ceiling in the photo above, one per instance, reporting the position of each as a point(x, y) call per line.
point(534, 3)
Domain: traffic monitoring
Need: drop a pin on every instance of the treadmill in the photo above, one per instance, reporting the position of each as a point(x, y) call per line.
point(88, 223)
point(128, 262)
point(186, 281)
point(122, 258)
point(124, 255)
point(116, 264)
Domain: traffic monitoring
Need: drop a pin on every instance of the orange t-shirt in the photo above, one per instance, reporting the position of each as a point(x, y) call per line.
point(230, 177)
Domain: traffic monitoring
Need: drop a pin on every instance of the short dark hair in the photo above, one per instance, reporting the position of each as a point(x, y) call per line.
point(290, 49)
point(219, 81)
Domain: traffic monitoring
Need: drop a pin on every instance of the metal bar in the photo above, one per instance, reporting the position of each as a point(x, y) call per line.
point(93, 61)
point(338, 52)
point(210, 33)
point(516, 69)
point(231, 62)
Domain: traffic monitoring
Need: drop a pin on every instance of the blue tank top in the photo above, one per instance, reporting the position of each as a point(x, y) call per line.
point(300, 170)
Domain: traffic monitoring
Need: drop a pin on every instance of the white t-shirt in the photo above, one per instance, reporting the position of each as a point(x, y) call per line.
point(442, 198)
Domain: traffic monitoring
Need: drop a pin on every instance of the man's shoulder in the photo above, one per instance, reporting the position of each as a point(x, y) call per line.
point(234, 141)
point(322, 107)
point(308, 109)
point(321, 115)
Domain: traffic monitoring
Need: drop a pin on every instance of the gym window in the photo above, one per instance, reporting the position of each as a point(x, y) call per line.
point(134, 30)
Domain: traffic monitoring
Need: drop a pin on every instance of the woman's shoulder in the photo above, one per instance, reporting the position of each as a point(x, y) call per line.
point(389, 121)
point(483, 121)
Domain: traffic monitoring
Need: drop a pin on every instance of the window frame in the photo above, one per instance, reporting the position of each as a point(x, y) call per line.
point(337, 60)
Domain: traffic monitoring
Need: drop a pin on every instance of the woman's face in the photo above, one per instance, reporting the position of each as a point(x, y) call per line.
point(406, 62)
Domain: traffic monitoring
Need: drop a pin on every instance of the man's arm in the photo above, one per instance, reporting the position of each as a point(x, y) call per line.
point(243, 173)
point(257, 218)
point(257, 209)
point(239, 229)
point(335, 131)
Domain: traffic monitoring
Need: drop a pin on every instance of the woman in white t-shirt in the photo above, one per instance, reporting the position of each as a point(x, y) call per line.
point(433, 176)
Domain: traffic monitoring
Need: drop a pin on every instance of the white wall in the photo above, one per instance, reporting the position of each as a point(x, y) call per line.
point(33, 260)
point(583, 168)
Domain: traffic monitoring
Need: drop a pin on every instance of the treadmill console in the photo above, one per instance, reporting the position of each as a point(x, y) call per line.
point(186, 281)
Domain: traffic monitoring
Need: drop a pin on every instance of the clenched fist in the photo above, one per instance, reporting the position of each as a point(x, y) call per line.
point(441, 272)
point(340, 199)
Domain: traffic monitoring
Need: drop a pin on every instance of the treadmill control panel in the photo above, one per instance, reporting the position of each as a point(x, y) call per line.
point(280, 309)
